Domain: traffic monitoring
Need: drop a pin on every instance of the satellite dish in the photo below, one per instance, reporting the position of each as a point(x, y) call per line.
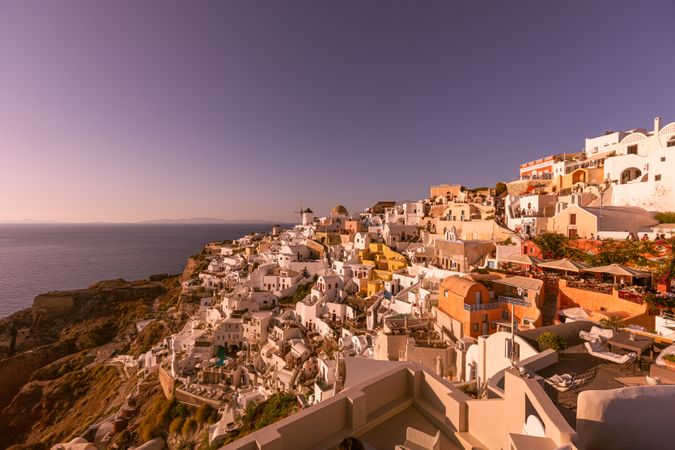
point(534, 427)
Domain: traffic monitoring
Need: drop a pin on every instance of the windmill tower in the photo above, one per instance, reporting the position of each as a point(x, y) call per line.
point(306, 216)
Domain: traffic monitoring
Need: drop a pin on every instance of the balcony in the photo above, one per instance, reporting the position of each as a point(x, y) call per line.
point(481, 307)
point(518, 301)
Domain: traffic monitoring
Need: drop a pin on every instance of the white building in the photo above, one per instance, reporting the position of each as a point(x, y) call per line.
point(643, 171)
point(229, 333)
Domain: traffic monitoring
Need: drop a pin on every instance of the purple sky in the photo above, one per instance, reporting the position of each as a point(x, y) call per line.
point(132, 110)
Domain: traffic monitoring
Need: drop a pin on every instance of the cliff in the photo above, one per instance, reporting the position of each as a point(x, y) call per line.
point(55, 376)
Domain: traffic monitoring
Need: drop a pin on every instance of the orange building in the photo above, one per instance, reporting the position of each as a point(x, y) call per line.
point(480, 308)
point(448, 191)
point(471, 303)
point(354, 226)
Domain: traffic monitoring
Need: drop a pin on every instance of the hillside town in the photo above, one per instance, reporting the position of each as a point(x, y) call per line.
point(534, 314)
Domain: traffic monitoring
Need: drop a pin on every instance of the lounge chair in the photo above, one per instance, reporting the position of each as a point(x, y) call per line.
point(562, 383)
point(418, 440)
point(596, 334)
point(600, 350)
point(567, 382)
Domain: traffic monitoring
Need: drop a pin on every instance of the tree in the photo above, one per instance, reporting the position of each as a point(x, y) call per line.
point(665, 217)
point(664, 268)
point(500, 188)
point(623, 252)
point(552, 245)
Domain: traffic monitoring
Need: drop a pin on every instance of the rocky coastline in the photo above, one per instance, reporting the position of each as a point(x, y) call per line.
point(56, 375)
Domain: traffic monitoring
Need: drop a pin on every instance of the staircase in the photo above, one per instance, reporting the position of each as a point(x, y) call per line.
point(605, 197)
point(549, 307)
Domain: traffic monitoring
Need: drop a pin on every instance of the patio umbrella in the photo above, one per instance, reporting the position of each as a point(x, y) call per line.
point(617, 270)
point(524, 260)
point(566, 265)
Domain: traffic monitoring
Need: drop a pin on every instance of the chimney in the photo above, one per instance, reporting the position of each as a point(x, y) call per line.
point(657, 124)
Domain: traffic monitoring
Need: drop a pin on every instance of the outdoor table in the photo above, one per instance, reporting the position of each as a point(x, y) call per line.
point(639, 345)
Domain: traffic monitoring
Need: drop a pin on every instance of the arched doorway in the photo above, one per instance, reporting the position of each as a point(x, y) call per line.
point(630, 174)
point(579, 176)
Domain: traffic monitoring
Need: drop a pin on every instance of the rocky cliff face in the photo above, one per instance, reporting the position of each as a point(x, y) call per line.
point(58, 379)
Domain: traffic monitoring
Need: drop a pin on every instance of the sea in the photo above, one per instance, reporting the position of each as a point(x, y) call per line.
point(38, 258)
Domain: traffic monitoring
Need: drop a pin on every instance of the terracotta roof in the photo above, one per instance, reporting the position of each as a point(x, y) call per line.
point(458, 285)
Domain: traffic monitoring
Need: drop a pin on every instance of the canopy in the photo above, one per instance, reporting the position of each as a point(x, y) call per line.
point(575, 313)
point(618, 270)
point(564, 264)
point(532, 284)
point(525, 260)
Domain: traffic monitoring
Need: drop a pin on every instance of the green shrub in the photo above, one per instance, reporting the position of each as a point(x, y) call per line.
point(613, 323)
point(665, 217)
point(552, 341)
point(159, 415)
point(190, 426)
point(176, 425)
point(204, 413)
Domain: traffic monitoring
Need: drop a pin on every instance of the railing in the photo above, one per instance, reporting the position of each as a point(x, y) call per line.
point(518, 301)
point(594, 287)
point(631, 297)
point(481, 307)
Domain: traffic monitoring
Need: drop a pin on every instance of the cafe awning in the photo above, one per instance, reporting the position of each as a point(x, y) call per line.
point(617, 270)
point(564, 264)
point(525, 260)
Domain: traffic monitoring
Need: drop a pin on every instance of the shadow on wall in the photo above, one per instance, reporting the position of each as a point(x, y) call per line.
point(627, 418)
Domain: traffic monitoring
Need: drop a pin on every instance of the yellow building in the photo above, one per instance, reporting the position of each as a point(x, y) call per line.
point(385, 262)
point(590, 175)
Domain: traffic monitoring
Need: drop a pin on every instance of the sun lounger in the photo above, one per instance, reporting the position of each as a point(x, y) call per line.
point(596, 334)
point(567, 382)
point(599, 350)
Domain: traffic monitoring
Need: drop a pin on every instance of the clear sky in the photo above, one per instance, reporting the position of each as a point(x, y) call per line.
point(133, 110)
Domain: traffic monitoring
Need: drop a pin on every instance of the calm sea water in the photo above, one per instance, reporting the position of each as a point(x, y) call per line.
point(35, 259)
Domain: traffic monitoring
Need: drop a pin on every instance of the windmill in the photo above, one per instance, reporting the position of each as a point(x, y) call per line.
point(301, 212)
point(304, 214)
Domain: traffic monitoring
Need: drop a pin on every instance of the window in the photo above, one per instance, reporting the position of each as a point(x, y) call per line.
point(475, 327)
point(663, 159)
point(657, 177)
point(573, 219)
point(632, 149)
point(479, 297)
point(511, 348)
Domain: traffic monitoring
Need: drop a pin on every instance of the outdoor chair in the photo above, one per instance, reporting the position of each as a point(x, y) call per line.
point(418, 440)
point(600, 350)
point(596, 334)
point(567, 382)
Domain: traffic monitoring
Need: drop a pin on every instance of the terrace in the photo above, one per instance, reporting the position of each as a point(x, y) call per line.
point(601, 375)
point(589, 371)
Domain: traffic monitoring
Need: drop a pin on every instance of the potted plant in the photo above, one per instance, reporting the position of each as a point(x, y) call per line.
point(551, 341)
point(670, 361)
point(612, 323)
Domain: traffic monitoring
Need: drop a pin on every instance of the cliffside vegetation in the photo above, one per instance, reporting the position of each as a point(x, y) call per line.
point(59, 380)
point(259, 415)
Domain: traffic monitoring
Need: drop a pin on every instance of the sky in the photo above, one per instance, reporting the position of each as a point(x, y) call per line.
point(123, 111)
